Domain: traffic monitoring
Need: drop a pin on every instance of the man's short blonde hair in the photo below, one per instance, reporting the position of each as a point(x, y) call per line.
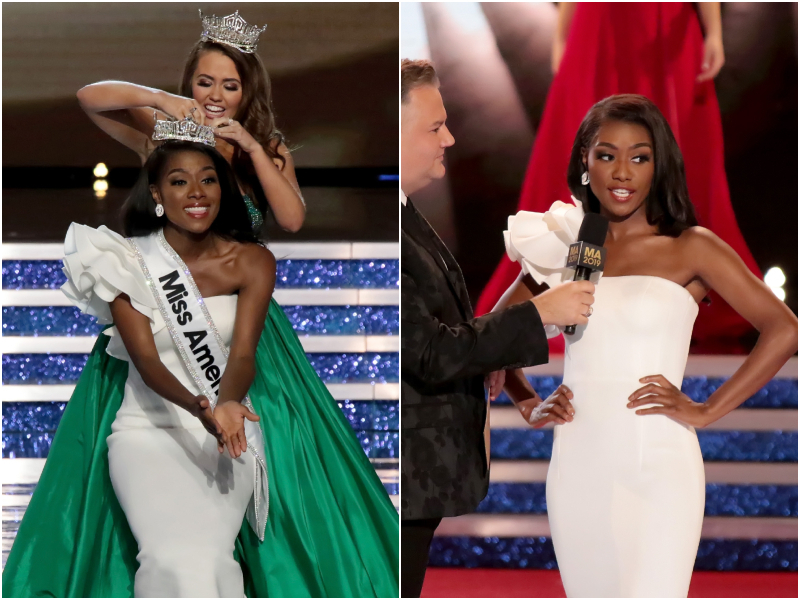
point(414, 74)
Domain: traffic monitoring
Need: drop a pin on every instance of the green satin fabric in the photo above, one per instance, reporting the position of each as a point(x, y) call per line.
point(332, 529)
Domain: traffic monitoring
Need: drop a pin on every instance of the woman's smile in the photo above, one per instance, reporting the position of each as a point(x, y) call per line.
point(197, 211)
point(214, 111)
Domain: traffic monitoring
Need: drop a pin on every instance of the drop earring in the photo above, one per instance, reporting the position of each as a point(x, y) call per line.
point(159, 210)
point(585, 178)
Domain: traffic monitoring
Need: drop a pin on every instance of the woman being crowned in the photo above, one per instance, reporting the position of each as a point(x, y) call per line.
point(196, 458)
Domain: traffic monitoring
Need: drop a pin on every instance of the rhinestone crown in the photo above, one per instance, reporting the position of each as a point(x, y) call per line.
point(187, 130)
point(232, 30)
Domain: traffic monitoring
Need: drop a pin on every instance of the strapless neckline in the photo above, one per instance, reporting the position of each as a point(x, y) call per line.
point(669, 281)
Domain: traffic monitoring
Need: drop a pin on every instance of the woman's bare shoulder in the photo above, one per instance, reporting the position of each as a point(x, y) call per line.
point(704, 249)
point(700, 239)
point(255, 258)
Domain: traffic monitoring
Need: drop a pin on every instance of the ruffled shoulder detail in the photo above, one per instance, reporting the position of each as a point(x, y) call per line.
point(539, 241)
point(100, 265)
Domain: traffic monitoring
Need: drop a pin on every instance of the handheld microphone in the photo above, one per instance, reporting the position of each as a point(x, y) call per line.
point(587, 254)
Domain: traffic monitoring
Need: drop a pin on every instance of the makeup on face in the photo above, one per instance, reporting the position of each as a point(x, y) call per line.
point(621, 166)
point(190, 191)
point(216, 86)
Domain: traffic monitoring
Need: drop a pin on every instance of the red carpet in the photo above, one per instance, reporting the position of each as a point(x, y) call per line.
point(524, 583)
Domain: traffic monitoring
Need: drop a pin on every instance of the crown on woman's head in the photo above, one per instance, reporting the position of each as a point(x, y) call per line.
point(232, 30)
point(187, 130)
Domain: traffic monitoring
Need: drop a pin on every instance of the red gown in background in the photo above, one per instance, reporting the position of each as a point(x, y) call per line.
point(653, 49)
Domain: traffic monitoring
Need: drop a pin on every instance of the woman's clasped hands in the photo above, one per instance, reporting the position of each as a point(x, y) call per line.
point(225, 422)
point(231, 416)
point(201, 408)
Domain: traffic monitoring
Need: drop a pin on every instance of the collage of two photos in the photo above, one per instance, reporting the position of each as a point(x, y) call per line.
point(200, 300)
point(564, 365)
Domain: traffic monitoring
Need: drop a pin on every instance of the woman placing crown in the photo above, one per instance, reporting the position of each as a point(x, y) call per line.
point(224, 85)
point(160, 479)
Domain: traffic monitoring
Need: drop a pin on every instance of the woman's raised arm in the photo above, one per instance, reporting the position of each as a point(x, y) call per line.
point(279, 183)
point(277, 178)
point(125, 111)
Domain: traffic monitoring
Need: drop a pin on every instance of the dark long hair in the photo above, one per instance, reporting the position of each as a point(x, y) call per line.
point(139, 211)
point(667, 205)
point(255, 112)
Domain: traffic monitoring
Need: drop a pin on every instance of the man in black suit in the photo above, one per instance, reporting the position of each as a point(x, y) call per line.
point(446, 353)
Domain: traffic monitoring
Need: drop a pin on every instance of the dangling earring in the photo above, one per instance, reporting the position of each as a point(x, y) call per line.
point(159, 210)
point(585, 178)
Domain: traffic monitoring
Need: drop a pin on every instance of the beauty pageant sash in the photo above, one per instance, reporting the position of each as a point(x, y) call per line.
point(200, 346)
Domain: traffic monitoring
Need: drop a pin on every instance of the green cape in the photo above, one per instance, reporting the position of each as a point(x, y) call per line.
point(332, 529)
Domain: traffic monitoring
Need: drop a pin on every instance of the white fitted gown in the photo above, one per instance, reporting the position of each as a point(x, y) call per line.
point(184, 501)
point(625, 492)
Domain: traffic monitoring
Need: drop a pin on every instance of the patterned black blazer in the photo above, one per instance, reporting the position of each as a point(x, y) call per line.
point(445, 354)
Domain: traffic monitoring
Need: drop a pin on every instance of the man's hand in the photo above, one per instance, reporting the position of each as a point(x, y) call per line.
point(567, 304)
point(494, 382)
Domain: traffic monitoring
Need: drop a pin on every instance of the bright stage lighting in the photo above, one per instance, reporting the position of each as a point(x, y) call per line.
point(775, 277)
point(100, 188)
point(100, 170)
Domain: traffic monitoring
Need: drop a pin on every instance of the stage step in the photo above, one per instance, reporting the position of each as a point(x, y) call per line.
point(61, 369)
point(29, 427)
point(722, 499)
point(536, 552)
point(67, 322)
point(320, 273)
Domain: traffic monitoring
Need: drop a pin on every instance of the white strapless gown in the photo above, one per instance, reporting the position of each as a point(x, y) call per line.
point(625, 492)
point(184, 501)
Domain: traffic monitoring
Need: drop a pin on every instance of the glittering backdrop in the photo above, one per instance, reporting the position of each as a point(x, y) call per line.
point(308, 320)
point(537, 553)
point(29, 427)
point(320, 274)
point(55, 369)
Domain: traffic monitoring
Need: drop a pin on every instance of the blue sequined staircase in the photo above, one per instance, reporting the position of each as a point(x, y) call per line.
point(537, 553)
point(68, 321)
point(750, 459)
point(29, 427)
point(55, 369)
point(319, 273)
point(722, 500)
point(340, 298)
